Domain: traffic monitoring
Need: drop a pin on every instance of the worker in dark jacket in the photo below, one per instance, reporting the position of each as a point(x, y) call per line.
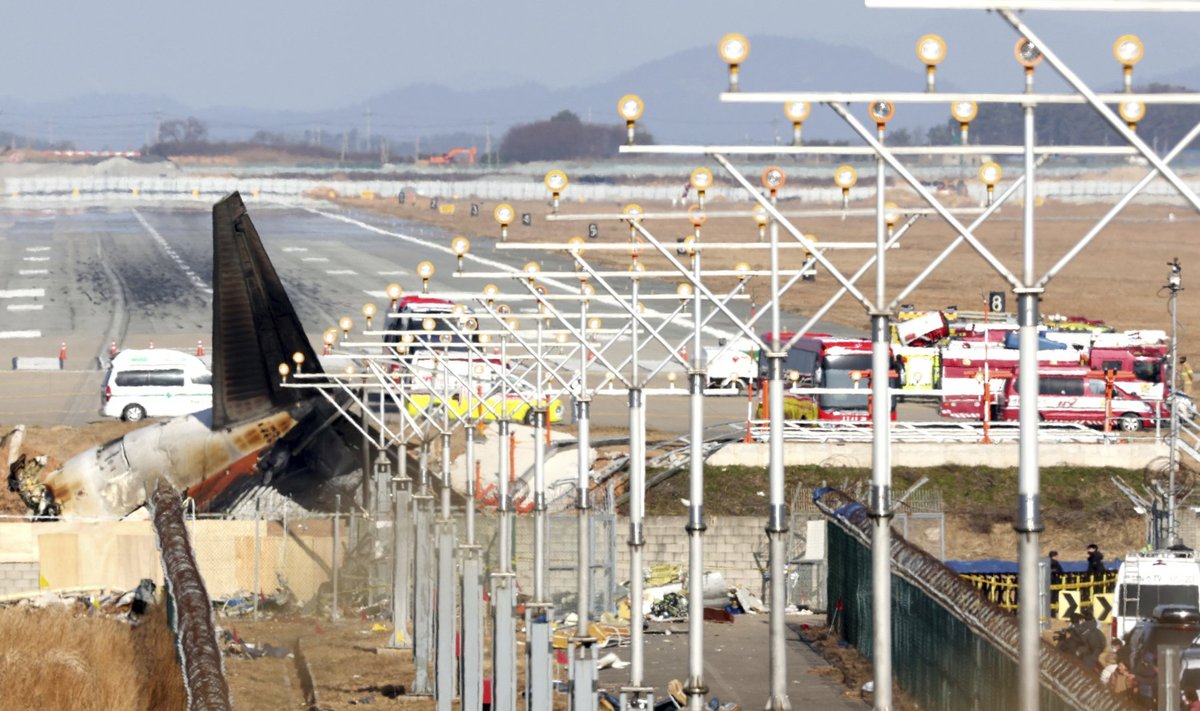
point(1095, 560)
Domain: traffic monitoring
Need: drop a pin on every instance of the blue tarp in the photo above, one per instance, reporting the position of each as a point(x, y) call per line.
point(1009, 567)
point(1012, 339)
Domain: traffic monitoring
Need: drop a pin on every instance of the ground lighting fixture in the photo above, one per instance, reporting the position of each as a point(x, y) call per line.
point(531, 270)
point(891, 215)
point(733, 48)
point(743, 270)
point(1132, 112)
point(556, 182)
point(761, 218)
point(881, 112)
point(1128, 49)
point(460, 246)
point(630, 107)
point(345, 324)
point(633, 213)
point(684, 291)
point(368, 312)
point(329, 337)
point(809, 274)
point(797, 112)
point(773, 179)
point(394, 292)
point(490, 292)
point(701, 179)
point(845, 178)
point(990, 174)
point(1028, 55)
point(425, 271)
point(964, 111)
point(504, 214)
point(697, 217)
point(931, 50)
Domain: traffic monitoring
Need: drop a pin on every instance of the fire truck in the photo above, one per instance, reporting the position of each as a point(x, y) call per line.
point(820, 370)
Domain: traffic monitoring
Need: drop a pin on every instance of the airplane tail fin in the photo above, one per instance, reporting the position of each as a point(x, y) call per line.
point(255, 327)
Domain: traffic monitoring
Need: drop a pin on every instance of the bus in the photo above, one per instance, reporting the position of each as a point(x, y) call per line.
point(823, 362)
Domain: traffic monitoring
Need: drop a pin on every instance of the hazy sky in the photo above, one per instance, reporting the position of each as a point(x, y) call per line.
point(305, 55)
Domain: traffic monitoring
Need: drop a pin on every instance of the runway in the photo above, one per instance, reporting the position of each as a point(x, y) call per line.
point(86, 277)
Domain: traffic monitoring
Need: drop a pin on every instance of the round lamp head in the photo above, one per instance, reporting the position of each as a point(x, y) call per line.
point(513, 324)
point(394, 292)
point(504, 309)
point(345, 324)
point(761, 217)
point(773, 178)
point(1132, 111)
point(594, 323)
point(329, 337)
point(504, 213)
point(284, 370)
point(471, 324)
point(428, 324)
point(630, 107)
point(298, 358)
point(460, 246)
point(882, 111)
point(1027, 53)
point(701, 179)
point(491, 291)
point(587, 289)
point(696, 215)
point(1128, 49)
point(689, 242)
point(684, 290)
point(931, 49)
point(369, 310)
point(990, 173)
point(891, 214)
point(797, 111)
point(793, 375)
point(425, 269)
point(560, 338)
point(845, 177)
point(532, 269)
point(633, 211)
point(556, 181)
point(734, 48)
point(576, 244)
point(742, 269)
point(964, 111)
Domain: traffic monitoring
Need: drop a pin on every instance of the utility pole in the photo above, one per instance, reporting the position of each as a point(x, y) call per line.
point(1174, 285)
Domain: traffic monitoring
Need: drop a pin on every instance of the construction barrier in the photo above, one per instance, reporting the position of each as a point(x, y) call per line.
point(1001, 589)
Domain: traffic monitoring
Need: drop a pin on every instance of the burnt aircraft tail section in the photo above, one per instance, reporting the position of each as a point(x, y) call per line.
point(255, 327)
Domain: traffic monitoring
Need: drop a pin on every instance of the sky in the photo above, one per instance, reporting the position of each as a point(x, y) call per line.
point(305, 55)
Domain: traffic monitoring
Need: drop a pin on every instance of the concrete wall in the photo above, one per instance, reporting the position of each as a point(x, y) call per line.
point(729, 546)
point(1127, 455)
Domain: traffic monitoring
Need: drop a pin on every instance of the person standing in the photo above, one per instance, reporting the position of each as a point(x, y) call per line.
point(1095, 560)
point(1186, 375)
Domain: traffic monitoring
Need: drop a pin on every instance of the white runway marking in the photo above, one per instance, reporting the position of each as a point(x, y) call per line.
point(25, 307)
point(36, 259)
point(37, 249)
point(375, 294)
point(295, 249)
point(315, 259)
point(32, 272)
point(393, 272)
point(22, 293)
point(340, 272)
point(196, 280)
point(20, 334)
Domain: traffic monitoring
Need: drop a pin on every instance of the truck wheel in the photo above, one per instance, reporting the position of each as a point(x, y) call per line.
point(736, 384)
point(1130, 422)
point(133, 413)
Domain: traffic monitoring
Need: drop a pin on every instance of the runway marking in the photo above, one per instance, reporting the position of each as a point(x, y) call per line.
point(22, 293)
point(20, 334)
point(295, 249)
point(32, 272)
point(393, 272)
point(25, 307)
point(375, 294)
point(191, 275)
point(340, 272)
point(681, 321)
point(37, 249)
point(315, 259)
point(36, 259)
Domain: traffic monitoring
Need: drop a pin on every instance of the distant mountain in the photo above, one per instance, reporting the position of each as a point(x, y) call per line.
point(680, 92)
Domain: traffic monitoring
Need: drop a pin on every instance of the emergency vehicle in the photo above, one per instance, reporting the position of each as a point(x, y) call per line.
point(1084, 396)
point(1148, 579)
point(823, 362)
point(730, 367)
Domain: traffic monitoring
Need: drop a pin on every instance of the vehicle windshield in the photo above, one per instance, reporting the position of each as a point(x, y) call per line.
point(836, 374)
point(1147, 370)
point(452, 342)
point(1140, 600)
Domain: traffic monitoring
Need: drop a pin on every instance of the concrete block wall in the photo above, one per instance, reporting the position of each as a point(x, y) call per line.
point(18, 577)
point(729, 546)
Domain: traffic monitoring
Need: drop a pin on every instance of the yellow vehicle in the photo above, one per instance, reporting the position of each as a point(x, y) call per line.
point(515, 407)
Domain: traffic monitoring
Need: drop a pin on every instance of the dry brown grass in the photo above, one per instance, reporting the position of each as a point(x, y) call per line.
point(65, 658)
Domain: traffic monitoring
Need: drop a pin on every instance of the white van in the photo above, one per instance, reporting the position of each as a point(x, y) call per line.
point(156, 383)
point(1148, 579)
